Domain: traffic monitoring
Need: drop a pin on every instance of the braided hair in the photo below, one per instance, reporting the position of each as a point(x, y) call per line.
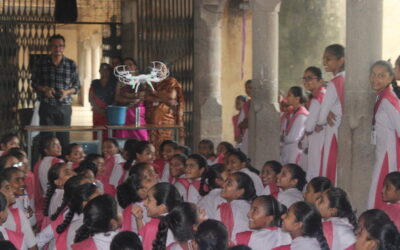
point(52, 176)
point(297, 173)
point(202, 164)
point(85, 166)
point(97, 217)
point(338, 199)
point(180, 221)
point(211, 176)
point(246, 183)
point(312, 222)
point(130, 152)
point(127, 192)
point(272, 208)
point(381, 228)
point(211, 235)
point(167, 194)
point(82, 193)
point(69, 190)
point(126, 240)
point(242, 157)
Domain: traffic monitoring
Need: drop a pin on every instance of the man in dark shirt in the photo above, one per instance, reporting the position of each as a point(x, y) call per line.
point(55, 78)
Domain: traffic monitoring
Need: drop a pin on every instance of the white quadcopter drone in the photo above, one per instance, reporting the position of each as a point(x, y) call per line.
point(158, 72)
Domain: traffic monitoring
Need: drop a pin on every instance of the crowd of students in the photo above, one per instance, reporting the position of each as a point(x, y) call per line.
point(214, 199)
point(129, 200)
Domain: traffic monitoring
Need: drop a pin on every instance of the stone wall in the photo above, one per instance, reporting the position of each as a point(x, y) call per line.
point(306, 28)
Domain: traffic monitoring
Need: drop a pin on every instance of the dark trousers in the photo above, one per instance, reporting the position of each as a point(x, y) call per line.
point(58, 115)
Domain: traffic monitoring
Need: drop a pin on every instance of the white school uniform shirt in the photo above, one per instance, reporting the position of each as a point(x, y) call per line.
point(165, 173)
point(290, 149)
point(5, 234)
point(343, 233)
point(256, 180)
point(267, 190)
point(305, 243)
point(47, 235)
point(210, 202)
point(23, 202)
point(240, 208)
point(117, 171)
point(56, 200)
point(44, 167)
point(289, 196)
point(76, 223)
point(103, 240)
point(387, 125)
point(191, 194)
point(145, 219)
point(331, 103)
point(100, 186)
point(266, 239)
point(25, 227)
point(315, 141)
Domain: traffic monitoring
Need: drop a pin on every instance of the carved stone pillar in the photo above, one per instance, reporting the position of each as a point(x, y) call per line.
point(207, 70)
point(264, 123)
point(363, 47)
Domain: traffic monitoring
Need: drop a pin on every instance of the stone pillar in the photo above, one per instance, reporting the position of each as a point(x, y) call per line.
point(264, 126)
point(207, 70)
point(364, 46)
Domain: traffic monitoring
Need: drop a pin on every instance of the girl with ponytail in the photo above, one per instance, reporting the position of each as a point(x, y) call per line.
point(50, 150)
point(315, 188)
point(294, 126)
point(181, 222)
point(138, 152)
point(238, 161)
point(385, 130)
point(303, 222)
point(129, 155)
point(291, 181)
point(161, 199)
point(60, 233)
point(132, 193)
point(331, 110)
point(58, 174)
point(100, 224)
point(265, 221)
point(376, 231)
point(339, 218)
point(190, 187)
point(215, 178)
point(233, 204)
